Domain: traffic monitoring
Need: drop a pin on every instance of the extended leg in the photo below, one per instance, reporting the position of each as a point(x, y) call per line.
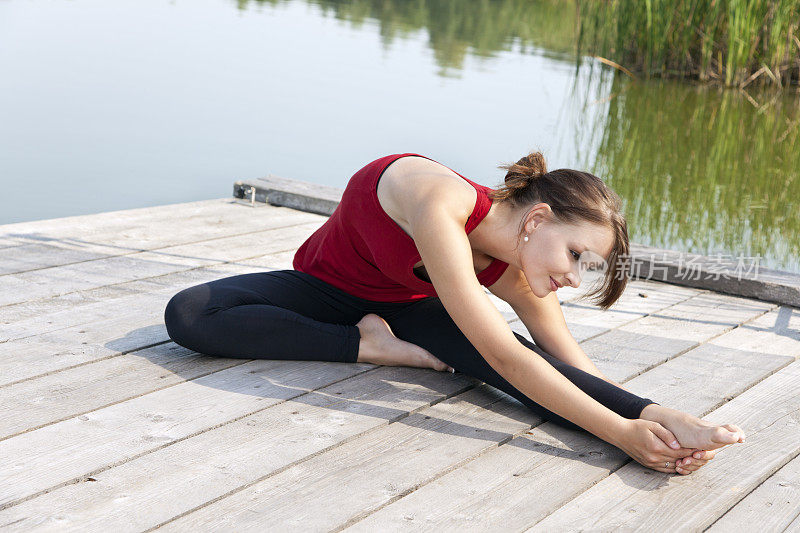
point(428, 325)
point(266, 315)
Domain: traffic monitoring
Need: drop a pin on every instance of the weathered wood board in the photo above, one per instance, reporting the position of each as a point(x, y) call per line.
point(105, 420)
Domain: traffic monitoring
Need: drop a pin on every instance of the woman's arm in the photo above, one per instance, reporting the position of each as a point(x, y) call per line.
point(544, 320)
point(444, 247)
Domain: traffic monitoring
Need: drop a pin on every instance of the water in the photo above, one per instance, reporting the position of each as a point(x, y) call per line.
point(113, 105)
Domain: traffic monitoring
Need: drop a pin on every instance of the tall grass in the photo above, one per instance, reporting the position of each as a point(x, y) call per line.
point(732, 42)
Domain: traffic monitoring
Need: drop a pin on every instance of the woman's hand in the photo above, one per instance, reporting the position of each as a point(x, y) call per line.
point(645, 440)
point(699, 458)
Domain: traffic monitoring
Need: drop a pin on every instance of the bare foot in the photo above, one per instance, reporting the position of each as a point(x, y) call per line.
point(379, 346)
point(693, 432)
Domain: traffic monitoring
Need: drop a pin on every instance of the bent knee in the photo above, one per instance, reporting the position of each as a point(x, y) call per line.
point(183, 315)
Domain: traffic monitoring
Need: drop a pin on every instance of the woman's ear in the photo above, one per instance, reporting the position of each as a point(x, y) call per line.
point(537, 214)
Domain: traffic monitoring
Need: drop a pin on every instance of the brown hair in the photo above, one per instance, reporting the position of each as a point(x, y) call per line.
point(572, 196)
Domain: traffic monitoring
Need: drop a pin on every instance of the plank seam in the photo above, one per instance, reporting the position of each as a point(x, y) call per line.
point(631, 321)
point(766, 478)
point(132, 349)
point(364, 514)
point(712, 409)
point(97, 408)
point(133, 251)
point(625, 462)
point(400, 417)
point(690, 348)
point(108, 466)
point(151, 278)
point(78, 365)
point(321, 451)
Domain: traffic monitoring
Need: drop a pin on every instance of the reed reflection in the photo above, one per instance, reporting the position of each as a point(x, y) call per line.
point(700, 169)
point(455, 29)
point(703, 170)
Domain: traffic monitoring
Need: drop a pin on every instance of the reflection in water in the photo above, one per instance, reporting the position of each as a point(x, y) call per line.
point(704, 170)
point(699, 169)
point(468, 26)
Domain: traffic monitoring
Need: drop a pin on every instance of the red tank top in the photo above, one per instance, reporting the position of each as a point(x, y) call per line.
point(362, 251)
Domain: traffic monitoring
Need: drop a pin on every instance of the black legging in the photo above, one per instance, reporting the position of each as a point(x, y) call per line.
point(290, 315)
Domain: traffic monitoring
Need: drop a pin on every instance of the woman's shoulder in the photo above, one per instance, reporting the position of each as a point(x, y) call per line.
point(412, 182)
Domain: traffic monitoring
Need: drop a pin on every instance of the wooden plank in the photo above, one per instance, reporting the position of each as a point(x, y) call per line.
point(133, 228)
point(641, 298)
point(32, 404)
point(635, 498)
point(26, 319)
point(713, 374)
point(118, 303)
point(502, 489)
point(771, 507)
point(130, 227)
point(263, 503)
point(699, 318)
point(241, 452)
point(794, 527)
point(139, 325)
point(633, 351)
point(56, 455)
point(40, 319)
point(622, 355)
point(121, 219)
point(505, 489)
point(53, 281)
point(371, 470)
point(775, 332)
point(177, 225)
point(722, 275)
point(585, 320)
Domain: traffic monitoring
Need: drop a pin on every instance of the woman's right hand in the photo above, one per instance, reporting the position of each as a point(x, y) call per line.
point(644, 441)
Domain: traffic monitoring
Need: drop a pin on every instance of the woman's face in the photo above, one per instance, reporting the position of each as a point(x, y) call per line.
point(556, 253)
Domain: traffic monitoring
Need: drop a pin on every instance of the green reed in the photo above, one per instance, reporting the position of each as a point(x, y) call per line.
point(732, 42)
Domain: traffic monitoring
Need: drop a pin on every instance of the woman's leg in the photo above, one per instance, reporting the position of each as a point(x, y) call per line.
point(281, 314)
point(427, 324)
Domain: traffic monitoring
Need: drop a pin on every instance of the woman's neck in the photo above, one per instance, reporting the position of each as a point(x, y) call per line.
point(496, 235)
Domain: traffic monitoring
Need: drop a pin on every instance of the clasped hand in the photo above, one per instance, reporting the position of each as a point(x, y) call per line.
point(654, 446)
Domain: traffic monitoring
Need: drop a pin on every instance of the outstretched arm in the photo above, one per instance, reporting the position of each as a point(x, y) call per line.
point(544, 320)
point(438, 231)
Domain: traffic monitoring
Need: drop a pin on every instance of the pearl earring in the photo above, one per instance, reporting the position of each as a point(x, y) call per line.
point(526, 238)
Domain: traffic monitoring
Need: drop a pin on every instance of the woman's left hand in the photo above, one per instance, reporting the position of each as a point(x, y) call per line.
point(697, 459)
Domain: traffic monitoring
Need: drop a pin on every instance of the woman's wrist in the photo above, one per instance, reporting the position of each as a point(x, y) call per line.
point(617, 431)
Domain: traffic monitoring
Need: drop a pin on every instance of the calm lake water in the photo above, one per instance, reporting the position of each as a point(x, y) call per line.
point(114, 105)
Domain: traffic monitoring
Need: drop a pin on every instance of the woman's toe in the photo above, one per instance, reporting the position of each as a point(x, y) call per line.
point(722, 435)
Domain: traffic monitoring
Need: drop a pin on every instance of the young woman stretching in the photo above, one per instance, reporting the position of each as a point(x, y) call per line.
point(394, 277)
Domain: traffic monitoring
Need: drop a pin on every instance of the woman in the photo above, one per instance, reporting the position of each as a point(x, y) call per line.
point(394, 277)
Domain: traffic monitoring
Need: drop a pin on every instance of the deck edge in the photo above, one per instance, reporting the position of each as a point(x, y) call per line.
point(715, 273)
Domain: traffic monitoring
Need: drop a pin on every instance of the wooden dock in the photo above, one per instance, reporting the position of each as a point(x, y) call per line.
point(108, 426)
